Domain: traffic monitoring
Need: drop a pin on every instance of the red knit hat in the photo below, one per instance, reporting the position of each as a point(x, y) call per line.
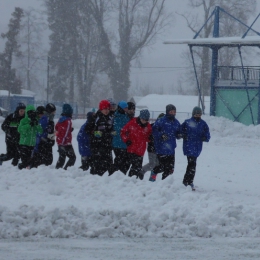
point(104, 104)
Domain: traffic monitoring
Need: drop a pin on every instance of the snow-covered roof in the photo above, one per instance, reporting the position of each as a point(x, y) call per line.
point(24, 93)
point(184, 104)
point(249, 40)
point(27, 92)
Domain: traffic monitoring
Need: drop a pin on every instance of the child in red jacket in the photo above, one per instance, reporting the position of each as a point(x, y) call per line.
point(64, 137)
point(136, 134)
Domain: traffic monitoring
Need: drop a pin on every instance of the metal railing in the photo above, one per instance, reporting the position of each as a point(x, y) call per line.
point(236, 73)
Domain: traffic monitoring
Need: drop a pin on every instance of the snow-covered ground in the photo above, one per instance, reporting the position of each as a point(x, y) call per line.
point(56, 214)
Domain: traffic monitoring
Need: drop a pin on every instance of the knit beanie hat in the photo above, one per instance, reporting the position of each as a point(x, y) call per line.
point(90, 115)
point(50, 108)
point(67, 110)
point(144, 114)
point(196, 111)
point(131, 105)
point(20, 106)
point(122, 104)
point(112, 102)
point(169, 108)
point(40, 110)
point(104, 104)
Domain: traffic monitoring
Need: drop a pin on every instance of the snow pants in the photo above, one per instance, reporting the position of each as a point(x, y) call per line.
point(153, 161)
point(66, 151)
point(12, 152)
point(121, 160)
point(166, 165)
point(43, 155)
point(190, 171)
point(136, 162)
point(101, 160)
point(85, 163)
point(26, 156)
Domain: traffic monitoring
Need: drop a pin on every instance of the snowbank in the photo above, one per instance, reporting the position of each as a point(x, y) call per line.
point(45, 202)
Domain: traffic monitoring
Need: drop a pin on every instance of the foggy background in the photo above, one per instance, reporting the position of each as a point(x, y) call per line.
point(160, 69)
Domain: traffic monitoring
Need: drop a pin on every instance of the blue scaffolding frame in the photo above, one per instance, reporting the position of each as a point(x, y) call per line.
point(215, 47)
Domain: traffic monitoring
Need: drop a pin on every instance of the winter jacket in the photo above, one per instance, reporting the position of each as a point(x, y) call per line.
point(194, 133)
point(27, 132)
point(165, 132)
point(46, 126)
point(84, 141)
point(120, 120)
point(138, 134)
point(63, 131)
point(10, 127)
point(99, 128)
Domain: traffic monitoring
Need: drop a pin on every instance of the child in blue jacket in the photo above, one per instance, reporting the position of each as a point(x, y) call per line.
point(84, 144)
point(195, 131)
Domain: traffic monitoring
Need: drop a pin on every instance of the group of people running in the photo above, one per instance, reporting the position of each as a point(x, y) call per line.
point(115, 128)
point(31, 135)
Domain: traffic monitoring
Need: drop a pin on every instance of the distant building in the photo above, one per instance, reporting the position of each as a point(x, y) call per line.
point(9, 102)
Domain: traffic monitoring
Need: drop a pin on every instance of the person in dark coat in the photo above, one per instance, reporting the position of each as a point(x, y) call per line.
point(165, 132)
point(84, 144)
point(64, 138)
point(99, 128)
point(152, 156)
point(43, 150)
point(121, 118)
point(113, 106)
point(12, 136)
point(131, 109)
point(195, 131)
point(136, 134)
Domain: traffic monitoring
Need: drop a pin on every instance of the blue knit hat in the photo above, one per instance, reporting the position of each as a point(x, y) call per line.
point(90, 115)
point(67, 110)
point(123, 104)
point(145, 114)
point(196, 111)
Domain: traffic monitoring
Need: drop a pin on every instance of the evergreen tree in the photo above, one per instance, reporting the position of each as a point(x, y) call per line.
point(8, 79)
point(63, 53)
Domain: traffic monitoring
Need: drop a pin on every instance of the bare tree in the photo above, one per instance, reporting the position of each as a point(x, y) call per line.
point(139, 21)
point(32, 53)
point(242, 9)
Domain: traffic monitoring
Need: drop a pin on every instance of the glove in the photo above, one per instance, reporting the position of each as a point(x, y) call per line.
point(34, 123)
point(203, 139)
point(152, 149)
point(179, 136)
point(98, 134)
point(128, 143)
point(72, 129)
point(165, 137)
point(51, 136)
point(113, 133)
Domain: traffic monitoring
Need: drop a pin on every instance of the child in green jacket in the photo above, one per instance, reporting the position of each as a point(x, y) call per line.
point(28, 130)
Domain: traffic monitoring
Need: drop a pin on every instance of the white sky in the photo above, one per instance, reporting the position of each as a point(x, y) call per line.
point(159, 55)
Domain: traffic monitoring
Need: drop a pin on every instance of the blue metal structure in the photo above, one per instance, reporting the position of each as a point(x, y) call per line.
point(235, 98)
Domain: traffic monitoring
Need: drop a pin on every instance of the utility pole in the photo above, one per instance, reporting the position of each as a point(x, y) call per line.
point(85, 85)
point(48, 77)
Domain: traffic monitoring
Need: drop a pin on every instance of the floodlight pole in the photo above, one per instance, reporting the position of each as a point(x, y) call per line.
point(214, 66)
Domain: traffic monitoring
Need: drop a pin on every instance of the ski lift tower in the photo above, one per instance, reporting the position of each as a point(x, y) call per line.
point(235, 90)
